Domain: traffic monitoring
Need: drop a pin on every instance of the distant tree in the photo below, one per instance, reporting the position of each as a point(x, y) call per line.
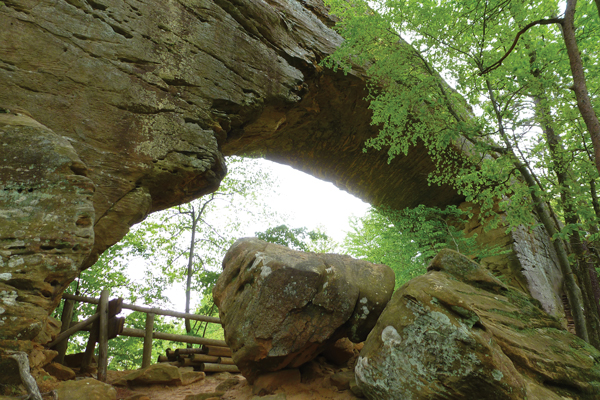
point(299, 239)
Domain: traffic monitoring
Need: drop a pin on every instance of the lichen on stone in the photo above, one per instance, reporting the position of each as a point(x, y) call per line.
point(9, 297)
point(498, 375)
point(423, 350)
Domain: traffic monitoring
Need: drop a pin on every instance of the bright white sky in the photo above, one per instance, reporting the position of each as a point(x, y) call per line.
point(310, 202)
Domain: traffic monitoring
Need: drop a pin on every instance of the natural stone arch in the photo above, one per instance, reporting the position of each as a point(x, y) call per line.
point(142, 100)
point(143, 91)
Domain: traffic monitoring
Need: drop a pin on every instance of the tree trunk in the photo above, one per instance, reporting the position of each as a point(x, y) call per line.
point(190, 270)
point(582, 264)
point(595, 203)
point(584, 103)
point(572, 290)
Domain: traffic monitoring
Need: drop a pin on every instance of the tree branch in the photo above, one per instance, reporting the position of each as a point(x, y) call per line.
point(548, 21)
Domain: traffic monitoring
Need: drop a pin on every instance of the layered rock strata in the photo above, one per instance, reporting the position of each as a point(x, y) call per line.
point(458, 333)
point(280, 308)
point(46, 230)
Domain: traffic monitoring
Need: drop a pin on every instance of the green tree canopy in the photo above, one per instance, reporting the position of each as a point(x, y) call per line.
point(500, 133)
point(298, 238)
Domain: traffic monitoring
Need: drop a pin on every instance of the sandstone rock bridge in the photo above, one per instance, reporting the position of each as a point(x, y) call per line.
point(110, 110)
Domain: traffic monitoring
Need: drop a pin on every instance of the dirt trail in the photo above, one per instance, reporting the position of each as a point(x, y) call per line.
point(318, 388)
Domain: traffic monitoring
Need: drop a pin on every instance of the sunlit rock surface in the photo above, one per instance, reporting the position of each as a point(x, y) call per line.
point(281, 307)
point(459, 333)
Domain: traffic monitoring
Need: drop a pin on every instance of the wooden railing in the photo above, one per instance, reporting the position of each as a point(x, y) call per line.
point(105, 325)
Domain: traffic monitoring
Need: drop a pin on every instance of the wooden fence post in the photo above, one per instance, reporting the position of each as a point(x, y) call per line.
point(91, 346)
point(103, 336)
point(147, 355)
point(98, 327)
point(66, 319)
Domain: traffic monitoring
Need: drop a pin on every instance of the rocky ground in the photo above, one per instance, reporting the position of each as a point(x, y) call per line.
point(316, 380)
point(317, 388)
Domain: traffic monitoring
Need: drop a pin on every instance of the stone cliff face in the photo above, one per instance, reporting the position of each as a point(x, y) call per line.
point(146, 92)
point(115, 109)
point(47, 220)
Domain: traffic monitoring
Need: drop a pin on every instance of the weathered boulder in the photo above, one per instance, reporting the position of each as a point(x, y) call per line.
point(60, 372)
point(88, 389)
point(269, 383)
point(457, 331)
point(154, 374)
point(280, 307)
point(339, 352)
point(342, 379)
point(227, 384)
point(46, 223)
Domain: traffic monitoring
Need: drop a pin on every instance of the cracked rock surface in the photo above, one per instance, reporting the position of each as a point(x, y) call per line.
point(280, 308)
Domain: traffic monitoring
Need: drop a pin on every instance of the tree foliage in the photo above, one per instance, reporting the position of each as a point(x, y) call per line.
point(509, 131)
point(407, 240)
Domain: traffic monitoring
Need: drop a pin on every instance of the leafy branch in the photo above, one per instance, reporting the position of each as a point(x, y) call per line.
point(548, 21)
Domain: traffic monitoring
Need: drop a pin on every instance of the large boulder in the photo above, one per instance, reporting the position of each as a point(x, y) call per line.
point(459, 333)
point(155, 374)
point(280, 308)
